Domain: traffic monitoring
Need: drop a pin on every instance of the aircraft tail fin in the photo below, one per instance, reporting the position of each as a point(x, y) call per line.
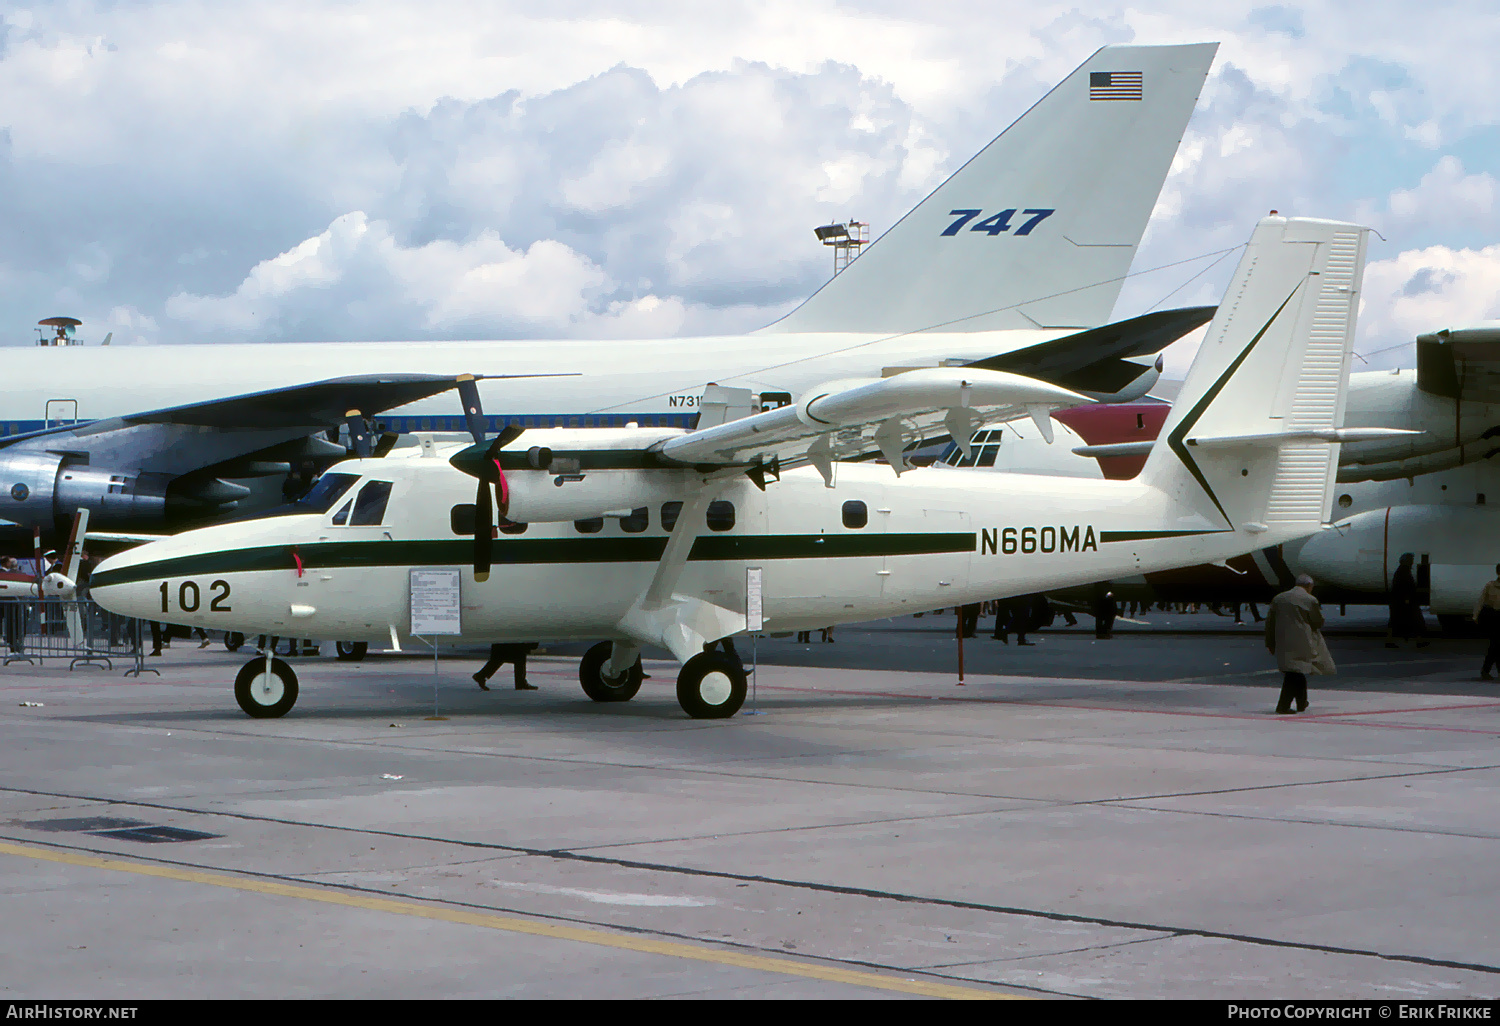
point(1252, 442)
point(1039, 228)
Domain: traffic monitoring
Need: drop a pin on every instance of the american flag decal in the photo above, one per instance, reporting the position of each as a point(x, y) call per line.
point(1115, 85)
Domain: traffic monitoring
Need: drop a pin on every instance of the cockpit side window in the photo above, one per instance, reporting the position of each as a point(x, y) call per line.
point(369, 506)
point(342, 516)
point(328, 490)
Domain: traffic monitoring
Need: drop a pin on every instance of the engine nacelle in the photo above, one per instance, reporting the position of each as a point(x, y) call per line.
point(37, 489)
point(1461, 543)
point(547, 496)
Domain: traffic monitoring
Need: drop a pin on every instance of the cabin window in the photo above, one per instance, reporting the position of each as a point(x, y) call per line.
point(855, 514)
point(638, 521)
point(342, 516)
point(369, 505)
point(593, 525)
point(461, 519)
point(670, 511)
point(987, 456)
point(512, 527)
point(328, 490)
point(720, 515)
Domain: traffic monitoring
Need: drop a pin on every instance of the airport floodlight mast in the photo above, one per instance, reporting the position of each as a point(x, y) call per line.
point(845, 238)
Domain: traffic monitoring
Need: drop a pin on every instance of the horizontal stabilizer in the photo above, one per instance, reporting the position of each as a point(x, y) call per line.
point(1291, 437)
point(1095, 362)
point(1116, 449)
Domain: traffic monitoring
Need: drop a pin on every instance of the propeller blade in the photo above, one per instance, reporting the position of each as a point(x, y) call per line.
point(484, 531)
point(359, 434)
point(468, 392)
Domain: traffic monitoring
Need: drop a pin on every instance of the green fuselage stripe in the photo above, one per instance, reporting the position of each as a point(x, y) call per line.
point(518, 551)
point(1121, 536)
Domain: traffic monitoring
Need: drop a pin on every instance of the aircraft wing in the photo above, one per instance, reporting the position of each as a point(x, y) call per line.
point(1461, 363)
point(316, 404)
point(848, 418)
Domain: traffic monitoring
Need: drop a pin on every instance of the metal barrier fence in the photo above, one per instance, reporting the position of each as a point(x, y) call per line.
point(35, 630)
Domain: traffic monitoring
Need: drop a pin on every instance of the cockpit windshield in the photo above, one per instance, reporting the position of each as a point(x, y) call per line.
point(328, 490)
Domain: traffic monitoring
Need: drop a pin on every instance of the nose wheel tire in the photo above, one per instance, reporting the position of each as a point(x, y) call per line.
point(352, 651)
point(711, 686)
point(265, 695)
point(599, 687)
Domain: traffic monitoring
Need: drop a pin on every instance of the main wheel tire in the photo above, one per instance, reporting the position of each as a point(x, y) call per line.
point(711, 686)
point(602, 689)
point(263, 695)
point(352, 651)
point(233, 640)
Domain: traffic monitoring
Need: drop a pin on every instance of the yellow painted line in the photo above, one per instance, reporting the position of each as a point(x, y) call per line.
point(510, 924)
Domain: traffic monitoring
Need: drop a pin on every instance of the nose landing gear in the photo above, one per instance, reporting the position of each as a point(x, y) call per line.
point(266, 689)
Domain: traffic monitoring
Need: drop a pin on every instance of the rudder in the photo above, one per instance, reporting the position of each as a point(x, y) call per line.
point(1252, 440)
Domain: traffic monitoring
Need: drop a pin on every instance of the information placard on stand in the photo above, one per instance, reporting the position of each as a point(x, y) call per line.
point(755, 621)
point(435, 602)
point(435, 612)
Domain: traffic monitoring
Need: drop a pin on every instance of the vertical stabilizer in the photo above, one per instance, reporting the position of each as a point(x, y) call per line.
point(1251, 440)
point(1041, 226)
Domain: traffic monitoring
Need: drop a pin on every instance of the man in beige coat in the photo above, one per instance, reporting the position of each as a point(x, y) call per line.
point(1295, 638)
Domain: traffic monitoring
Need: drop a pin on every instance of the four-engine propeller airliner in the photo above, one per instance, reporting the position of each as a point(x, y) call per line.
point(643, 535)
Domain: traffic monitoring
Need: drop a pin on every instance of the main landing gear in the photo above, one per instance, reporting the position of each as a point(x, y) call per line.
point(601, 687)
point(711, 685)
point(265, 688)
point(351, 651)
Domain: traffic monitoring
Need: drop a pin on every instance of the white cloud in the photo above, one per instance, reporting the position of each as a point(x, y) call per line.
point(1426, 290)
point(357, 274)
point(1446, 197)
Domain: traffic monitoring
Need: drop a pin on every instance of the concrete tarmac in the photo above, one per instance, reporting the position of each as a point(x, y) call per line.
point(873, 832)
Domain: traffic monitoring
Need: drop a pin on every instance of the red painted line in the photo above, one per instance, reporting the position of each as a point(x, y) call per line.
point(1158, 712)
point(1429, 708)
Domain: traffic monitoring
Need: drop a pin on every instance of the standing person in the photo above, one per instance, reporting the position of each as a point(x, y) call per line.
point(969, 614)
point(1406, 620)
point(1294, 636)
point(1487, 615)
point(1005, 614)
point(500, 654)
point(1105, 610)
point(14, 612)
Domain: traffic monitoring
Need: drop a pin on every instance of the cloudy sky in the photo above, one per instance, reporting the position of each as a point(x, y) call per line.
point(282, 171)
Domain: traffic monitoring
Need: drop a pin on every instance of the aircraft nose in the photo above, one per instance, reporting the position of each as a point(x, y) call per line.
point(109, 587)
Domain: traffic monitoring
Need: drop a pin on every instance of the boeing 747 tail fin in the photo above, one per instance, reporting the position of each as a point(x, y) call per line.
point(1038, 229)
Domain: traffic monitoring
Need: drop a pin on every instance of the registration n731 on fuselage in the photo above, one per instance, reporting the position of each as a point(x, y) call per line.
point(643, 536)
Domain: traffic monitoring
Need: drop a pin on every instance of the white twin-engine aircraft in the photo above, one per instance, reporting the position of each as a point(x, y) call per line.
point(642, 536)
